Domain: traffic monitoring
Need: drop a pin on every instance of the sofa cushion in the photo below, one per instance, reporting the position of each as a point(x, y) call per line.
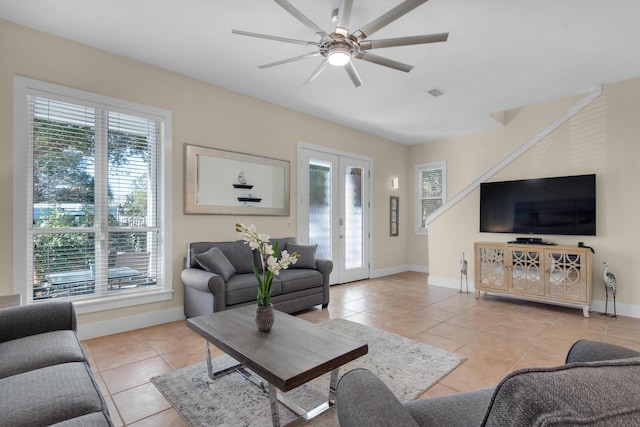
point(38, 351)
point(97, 419)
point(307, 255)
point(243, 288)
point(363, 397)
point(593, 393)
point(215, 261)
point(49, 395)
point(594, 351)
point(298, 279)
point(463, 409)
point(33, 319)
point(238, 253)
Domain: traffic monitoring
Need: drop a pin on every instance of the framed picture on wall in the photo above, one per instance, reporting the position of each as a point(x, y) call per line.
point(394, 203)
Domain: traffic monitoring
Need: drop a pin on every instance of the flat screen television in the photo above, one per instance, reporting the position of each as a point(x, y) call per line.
point(561, 206)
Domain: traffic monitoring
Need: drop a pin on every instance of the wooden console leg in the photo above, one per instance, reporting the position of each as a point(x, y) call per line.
point(477, 293)
point(585, 311)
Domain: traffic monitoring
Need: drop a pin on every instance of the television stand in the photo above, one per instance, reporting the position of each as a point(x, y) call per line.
point(556, 274)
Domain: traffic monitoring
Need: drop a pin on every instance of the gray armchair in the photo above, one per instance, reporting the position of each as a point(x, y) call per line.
point(599, 385)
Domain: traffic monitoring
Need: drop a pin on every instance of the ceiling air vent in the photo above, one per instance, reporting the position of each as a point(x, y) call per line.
point(436, 92)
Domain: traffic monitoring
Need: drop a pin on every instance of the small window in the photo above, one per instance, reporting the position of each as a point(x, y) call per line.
point(430, 191)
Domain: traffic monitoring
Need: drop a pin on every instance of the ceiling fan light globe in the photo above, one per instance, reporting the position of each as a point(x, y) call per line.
point(339, 59)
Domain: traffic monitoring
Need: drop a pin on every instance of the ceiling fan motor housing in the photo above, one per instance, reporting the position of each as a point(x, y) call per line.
point(338, 44)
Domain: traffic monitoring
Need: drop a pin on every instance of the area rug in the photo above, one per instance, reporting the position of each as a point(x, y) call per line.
point(407, 367)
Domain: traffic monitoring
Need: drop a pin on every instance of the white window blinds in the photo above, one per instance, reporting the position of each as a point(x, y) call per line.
point(431, 191)
point(95, 199)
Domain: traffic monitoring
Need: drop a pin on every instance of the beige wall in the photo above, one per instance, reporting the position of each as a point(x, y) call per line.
point(601, 139)
point(202, 115)
point(211, 116)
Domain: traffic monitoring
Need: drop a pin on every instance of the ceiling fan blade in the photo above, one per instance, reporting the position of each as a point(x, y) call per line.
point(353, 73)
point(370, 57)
point(286, 61)
point(404, 41)
point(276, 38)
point(317, 71)
point(302, 18)
point(344, 16)
point(387, 18)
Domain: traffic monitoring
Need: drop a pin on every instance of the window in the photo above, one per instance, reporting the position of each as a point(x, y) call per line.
point(431, 191)
point(94, 196)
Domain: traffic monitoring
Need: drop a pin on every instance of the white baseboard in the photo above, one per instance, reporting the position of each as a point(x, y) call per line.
point(389, 271)
point(446, 282)
point(621, 309)
point(398, 269)
point(419, 268)
point(123, 324)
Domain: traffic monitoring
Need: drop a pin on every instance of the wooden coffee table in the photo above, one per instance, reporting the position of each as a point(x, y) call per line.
point(292, 353)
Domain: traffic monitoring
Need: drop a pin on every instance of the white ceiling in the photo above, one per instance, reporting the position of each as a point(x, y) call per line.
point(501, 54)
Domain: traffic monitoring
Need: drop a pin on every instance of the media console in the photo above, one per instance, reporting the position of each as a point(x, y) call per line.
point(553, 274)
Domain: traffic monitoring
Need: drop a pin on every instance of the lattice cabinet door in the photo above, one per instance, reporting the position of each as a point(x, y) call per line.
point(490, 266)
point(567, 274)
point(526, 270)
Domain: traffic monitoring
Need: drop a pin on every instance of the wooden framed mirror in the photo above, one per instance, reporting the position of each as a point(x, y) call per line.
point(222, 182)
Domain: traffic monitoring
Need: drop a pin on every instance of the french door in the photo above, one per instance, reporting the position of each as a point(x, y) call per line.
point(334, 210)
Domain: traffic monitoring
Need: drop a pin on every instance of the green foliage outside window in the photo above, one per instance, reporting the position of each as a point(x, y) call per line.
point(63, 163)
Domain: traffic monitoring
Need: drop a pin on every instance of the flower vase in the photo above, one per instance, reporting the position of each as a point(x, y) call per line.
point(264, 317)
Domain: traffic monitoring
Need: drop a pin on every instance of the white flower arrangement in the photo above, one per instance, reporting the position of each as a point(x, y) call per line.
point(271, 265)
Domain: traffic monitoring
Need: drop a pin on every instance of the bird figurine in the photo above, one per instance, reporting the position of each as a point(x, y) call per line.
point(609, 283)
point(463, 272)
point(241, 179)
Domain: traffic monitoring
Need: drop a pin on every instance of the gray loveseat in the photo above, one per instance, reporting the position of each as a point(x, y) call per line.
point(45, 378)
point(218, 275)
point(598, 386)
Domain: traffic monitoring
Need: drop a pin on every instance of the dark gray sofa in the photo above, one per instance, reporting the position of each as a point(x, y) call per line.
point(598, 386)
point(45, 378)
point(230, 281)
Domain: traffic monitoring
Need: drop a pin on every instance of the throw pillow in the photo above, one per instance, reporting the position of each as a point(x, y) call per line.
point(307, 255)
point(214, 261)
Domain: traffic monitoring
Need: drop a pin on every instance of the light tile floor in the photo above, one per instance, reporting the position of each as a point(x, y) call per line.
point(497, 335)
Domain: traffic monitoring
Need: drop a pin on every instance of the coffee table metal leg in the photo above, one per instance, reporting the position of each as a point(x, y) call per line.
point(333, 384)
point(208, 357)
point(304, 416)
point(273, 401)
point(235, 368)
point(274, 396)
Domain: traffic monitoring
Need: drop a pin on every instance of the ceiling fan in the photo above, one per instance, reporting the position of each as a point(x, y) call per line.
point(341, 46)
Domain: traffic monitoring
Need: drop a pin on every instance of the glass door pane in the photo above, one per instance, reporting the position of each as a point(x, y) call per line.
point(320, 208)
point(353, 218)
